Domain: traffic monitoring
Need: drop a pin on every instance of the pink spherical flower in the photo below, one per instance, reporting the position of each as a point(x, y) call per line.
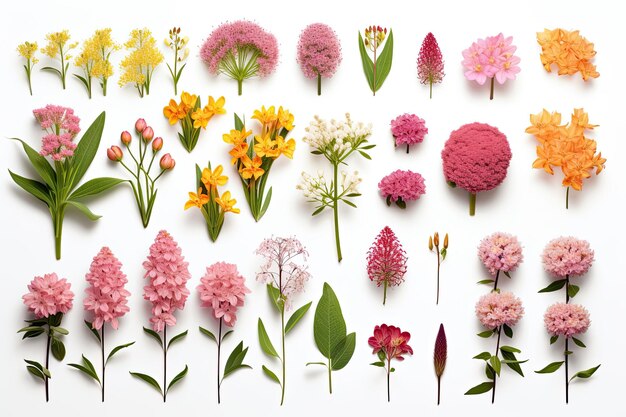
point(402, 186)
point(495, 309)
point(392, 341)
point(106, 296)
point(61, 126)
point(566, 319)
point(500, 252)
point(408, 129)
point(567, 256)
point(223, 289)
point(168, 274)
point(386, 261)
point(319, 52)
point(48, 295)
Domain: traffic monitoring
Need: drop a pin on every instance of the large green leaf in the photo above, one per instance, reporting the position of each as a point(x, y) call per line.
point(548, 369)
point(480, 388)
point(329, 326)
point(343, 352)
point(117, 349)
point(383, 63)
point(148, 379)
point(554, 286)
point(176, 338)
point(235, 360)
point(368, 65)
point(264, 340)
point(95, 186)
point(40, 163)
point(58, 349)
point(86, 150)
point(177, 378)
point(271, 375)
point(586, 373)
point(296, 316)
point(33, 187)
point(84, 209)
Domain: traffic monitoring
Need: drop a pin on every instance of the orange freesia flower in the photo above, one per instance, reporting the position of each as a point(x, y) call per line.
point(252, 168)
point(238, 152)
point(213, 178)
point(187, 101)
point(285, 119)
point(265, 116)
point(201, 118)
point(236, 137)
point(286, 148)
point(197, 200)
point(173, 112)
point(569, 51)
point(216, 107)
point(226, 203)
point(265, 146)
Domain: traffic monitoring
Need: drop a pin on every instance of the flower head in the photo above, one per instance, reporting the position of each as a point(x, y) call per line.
point(319, 51)
point(223, 289)
point(495, 309)
point(174, 112)
point(58, 43)
point(227, 203)
point(197, 200)
point(566, 319)
point(386, 260)
point(492, 57)
point(27, 50)
point(336, 137)
point(392, 341)
point(48, 295)
point(430, 61)
point(402, 186)
point(61, 127)
point(251, 167)
point(408, 129)
point(213, 179)
point(441, 351)
point(567, 256)
point(500, 252)
point(570, 51)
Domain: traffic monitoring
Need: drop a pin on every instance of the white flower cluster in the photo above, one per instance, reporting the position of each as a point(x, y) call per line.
point(335, 136)
point(315, 187)
point(350, 182)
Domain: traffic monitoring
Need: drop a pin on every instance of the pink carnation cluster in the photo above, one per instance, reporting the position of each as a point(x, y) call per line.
point(567, 256)
point(495, 309)
point(492, 57)
point(566, 319)
point(392, 341)
point(106, 295)
point(402, 186)
point(386, 259)
point(500, 252)
point(319, 51)
point(168, 274)
point(61, 126)
point(408, 129)
point(476, 157)
point(223, 289)
point(48, 295)
point(238, 37)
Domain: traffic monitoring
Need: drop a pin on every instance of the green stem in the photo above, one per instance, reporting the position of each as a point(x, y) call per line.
point(566, 372)
point(472, 207)
point(330, 377)
point(58, 230)
point(282, 386)
point(388, 385)
point(164, 363)
point(103, 360)
point(219, 348)
point(567, 199)
point(491, 89)
point(431, 96)
point(319, 84)
point(62, 67)
point(45, 378)
point(495, 285)
point(495, 375)
point(336, 212)
point(104, 86)
point(384, 292)
point(438, 268)
point(239, 86)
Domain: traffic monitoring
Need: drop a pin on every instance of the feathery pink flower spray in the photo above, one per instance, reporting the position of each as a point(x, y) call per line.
point(430, 62)
point(319, 52)
point(386, 261)
point(440, 356)
point(389, 342)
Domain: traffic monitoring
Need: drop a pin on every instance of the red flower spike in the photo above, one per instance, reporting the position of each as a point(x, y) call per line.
point(430, 63)
point(440, 356)
point(386, 261)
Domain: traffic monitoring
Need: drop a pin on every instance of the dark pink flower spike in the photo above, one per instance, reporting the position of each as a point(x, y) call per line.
point(430, 63)
point(440, 357)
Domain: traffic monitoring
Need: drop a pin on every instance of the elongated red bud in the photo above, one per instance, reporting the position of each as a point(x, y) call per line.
point(441, 351)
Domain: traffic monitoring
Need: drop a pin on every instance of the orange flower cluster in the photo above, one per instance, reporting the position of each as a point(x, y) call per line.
point(565, 146)
point(569, 51)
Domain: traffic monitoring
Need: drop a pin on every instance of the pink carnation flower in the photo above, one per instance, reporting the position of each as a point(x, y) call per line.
point(567, 256)
point(48, 295)
point(500, 252)
point(168, 274)
point(106, 296)
point(402, 186)
point(566, 319)
point(61, 126)
point(495, 309)
point(408, 129)
point(392, 341)
point(223, 289)
point(319, 52)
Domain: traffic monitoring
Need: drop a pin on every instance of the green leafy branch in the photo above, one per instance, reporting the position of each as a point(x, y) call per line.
point(377, 70)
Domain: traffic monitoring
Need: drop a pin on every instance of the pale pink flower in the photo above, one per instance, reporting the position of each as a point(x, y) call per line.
point(61, 126)
point(319, 51)
point(500, 252)
point(495, 309)
point(48, 295)
point(492, 57)
point(223, 289)
point(106, 296)
point(567, 256)
point(566, 319)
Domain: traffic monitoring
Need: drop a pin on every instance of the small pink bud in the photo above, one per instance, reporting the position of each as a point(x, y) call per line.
point(125, 137)
point(157, 144)
point(115, 154)
point(140, 125)
point(167, 162)
point(147, 134)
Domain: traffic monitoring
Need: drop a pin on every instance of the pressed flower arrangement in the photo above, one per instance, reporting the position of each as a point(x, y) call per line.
point(142, 182)
point(389, 343)
point(430, 62)
point(141, 62)
point(440, 356)
point(240, 50)
point(377, 67)
point(254, 155)
point(48, 298)
point(433, 244)
point(284, 279)
point(319, 52)
point(499, 253)
point(400, 186)
point(386, 261)
point(94, 60)
point(27, 51)
point(566, 258)
point(223, 290)
point(569, 51)
point(58, 47)
point(178, 44)
point(408, 129)
point(565, 146)
point(336, 141)
point(107, 300)
point(58, 188)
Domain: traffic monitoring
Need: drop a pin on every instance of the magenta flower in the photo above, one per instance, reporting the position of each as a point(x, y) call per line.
point(61, 126)
point(408, 129)
point(48, 295)
point(430, 62)
point(386, 261)
point(240, 50)
point(496, 309)
point(567, 320)
point(402, 186)
point(389, 342)
point(319, 52)
point(223, 289)
point(500, 252)
point(567, 257)
point(440, 357)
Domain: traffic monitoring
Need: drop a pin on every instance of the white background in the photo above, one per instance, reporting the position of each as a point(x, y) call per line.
point(529, 204)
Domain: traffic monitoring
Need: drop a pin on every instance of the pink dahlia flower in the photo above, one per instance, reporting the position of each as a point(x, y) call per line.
point(168, 274)
point(567, 256)
point(319, 52)
point(566, 319)
point(223, 289)
point(408, 129)
point(500, 252)
point(386, 261)
point(106, 296)
point(402, 186)
point(48, 295)
point(495, 309)
point(61, 126)
point(392, 341)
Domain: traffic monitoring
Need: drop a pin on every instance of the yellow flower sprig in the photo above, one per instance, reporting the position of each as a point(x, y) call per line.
point(139, 65)
point(192, 116)
point(58, 47)
point(27, 51)
point(208, 199)
point(94, 60)
point(253, 155)
point(179, 45)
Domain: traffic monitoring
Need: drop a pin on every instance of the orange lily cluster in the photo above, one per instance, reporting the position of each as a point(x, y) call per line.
point(565, 146)
point(569, 51)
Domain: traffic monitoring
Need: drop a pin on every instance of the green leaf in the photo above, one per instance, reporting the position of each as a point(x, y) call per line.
point(318, 210)
point(33, 333)
point(58, 349)
point(30, 329)
point(554, 366)
point(55, 320)
point(480, 388)
point(264, 340)
point(235, 360)
point(225, 335)
point(365, 155)
point(84, 209)
point(485, 334)
point(208, 333)
point(329, 326)
point(266, 203)
point(383, 63)
point(82, 80)
point(87, 368)
point(271, 375)
point(60, 330)
point(451, 184)
point(317, 363)
point(176, 338)
point(378, 364)
point(95, 186)
point(507, 331)
point(495, 363)
point(40, 163)
point(154, 335)
point(368, 64)
point(238, 122)
point(382, 356)
point(147, 378)
point(554, 286)
point(92, 330)
point(511, 361)
point(342, 353)
point(274, 294)
point(579, 342)
point(177, 378)
point(400, 203)
point(39, 367)
point(510, 349)
point(52, 70)
point(296, 316)
point(485, 356)
point(35, 371)
point(86, 150)
point(553, 339)
point(489, 371)
point(572, 290)
point(586, 373)
point(35, 188)
point(117, 349)
point(485, 281)
point(348, 202)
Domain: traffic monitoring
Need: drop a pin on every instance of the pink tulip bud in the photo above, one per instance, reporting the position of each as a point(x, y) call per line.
point(125, 137)
point(147, 134)
point(140, 125)
point(115, 154)
point(157, 144)
point(167, 162)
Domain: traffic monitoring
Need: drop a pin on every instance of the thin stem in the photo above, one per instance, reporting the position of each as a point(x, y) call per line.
point(103, 361)
point(495, 375)
point(374, 77)
point(407, 148)
point(219, 348)
point(566, 289)
point(282, 322)
point(495, 285)
point(472, 207)
point(431, 96)
point(239, 86)
point(319, 84)
point(164, 363)
point(491, 89)
point(336, 212)
point(330, 378)
point(567, 199)
point(388, 374)
point(45, 378)
point(62, 67)
point(438, 390)
point(566, 372)
point(384, 292)
point(438, 268)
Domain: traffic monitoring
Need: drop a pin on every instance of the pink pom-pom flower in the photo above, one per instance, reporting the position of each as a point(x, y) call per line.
point(567, 257)
point(476, 158)
point(48, 295)
point(408, 129)
point(567, 320)
point(223, 289)
point(500, 252)
point(61, 127)
point(319, 52)
point(386, 261)
point(430, 62)
point(496, 309)
point(402, 186)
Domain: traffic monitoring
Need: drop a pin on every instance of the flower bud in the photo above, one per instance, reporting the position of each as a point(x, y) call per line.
point(115, 154)
point(436, 239)
point(167, 162)
point(445, 242)
point(140, 125)
point(430, 243)
point(125, 137)
point(147, 134)
point(157, 144)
